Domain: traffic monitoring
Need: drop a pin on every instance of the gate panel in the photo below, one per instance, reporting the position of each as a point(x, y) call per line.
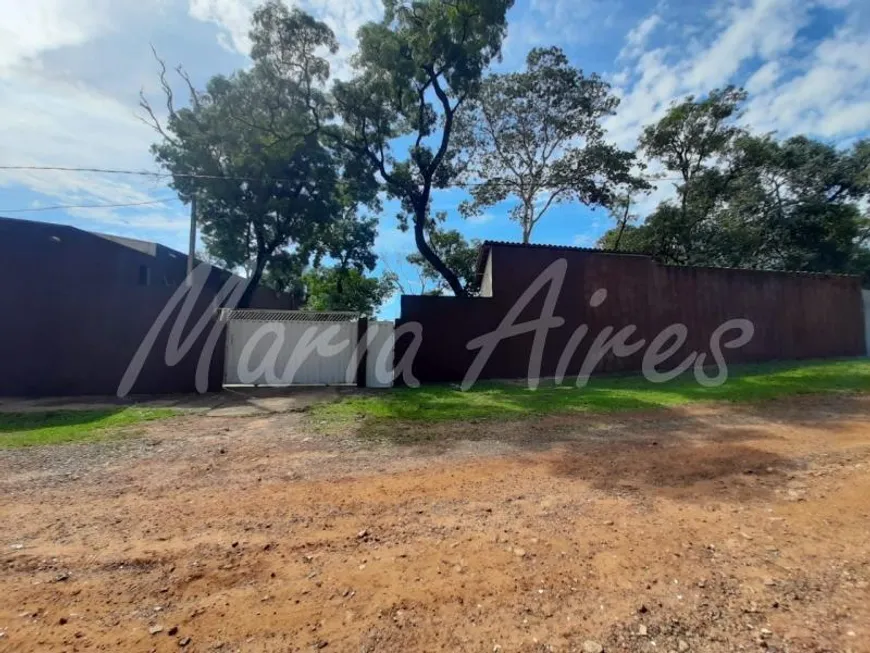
point(379, 360)
point(276, 352)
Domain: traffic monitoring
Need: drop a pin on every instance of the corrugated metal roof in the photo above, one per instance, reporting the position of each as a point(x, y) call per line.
point(573, 248)
point(488, 244)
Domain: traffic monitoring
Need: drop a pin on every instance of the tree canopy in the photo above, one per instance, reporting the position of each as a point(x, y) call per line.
point(338, 289)
point(252, 152)
point(459, 254)
point(749, 200)
point(536, 135)
point(289, 170)
point(415, 70)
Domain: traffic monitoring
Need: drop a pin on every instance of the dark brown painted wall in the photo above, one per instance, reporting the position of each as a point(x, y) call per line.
point(74, 313)
point(795, 315)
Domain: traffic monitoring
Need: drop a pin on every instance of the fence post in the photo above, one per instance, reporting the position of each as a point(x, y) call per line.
point(362, 328)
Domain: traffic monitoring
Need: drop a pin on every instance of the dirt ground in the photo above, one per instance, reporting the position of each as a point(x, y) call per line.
point(699, 529)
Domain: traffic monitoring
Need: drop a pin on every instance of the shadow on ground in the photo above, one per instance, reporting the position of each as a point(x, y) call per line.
point(540, 430)
point(727, 450)
point(21, 421)
point(232, 402)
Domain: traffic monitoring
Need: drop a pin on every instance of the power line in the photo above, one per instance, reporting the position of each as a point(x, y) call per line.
point(113, 171)
point(88, 206)
point(145, 173)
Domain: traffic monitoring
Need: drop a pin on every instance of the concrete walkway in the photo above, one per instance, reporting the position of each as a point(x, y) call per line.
point(232, 402)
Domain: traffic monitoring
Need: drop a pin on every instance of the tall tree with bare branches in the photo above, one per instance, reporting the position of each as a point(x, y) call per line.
point(252, 149)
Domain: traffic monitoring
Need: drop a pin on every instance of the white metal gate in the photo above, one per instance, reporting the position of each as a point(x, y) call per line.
point(379, 360)
point(279, 348)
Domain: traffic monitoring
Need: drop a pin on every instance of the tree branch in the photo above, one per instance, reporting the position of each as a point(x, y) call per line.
point(152, 121)
point(194, 95)
point(449, 113)
point(421, 92)
point(623, 223)
point(144, 104)
point(167, 89)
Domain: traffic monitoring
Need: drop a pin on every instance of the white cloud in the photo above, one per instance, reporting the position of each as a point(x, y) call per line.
point(30, 28)
point(174, 216)
point(828, 96)
point(764, 78)
point(62, 107)
point(637, 38)
point(543, 23)
point(232, 16)
point(49, 120)
point(483, 218)
point(69, 74)
point(762, 28)
point(70, 69)
point(45, 123)
point(821, 89)
point(345, 17)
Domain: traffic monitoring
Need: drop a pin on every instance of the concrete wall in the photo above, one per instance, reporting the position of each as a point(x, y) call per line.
point(76, 306)
point(795, 315)
point(486, 281)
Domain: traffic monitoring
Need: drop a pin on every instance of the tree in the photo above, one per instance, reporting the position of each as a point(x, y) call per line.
point(284, 274)
point(635, 239)
point(334, 289)
point(800, 199)
point(251, 148)
point(349, 242)
point(693, 140)
point(745, 200)
point(346, 245)
point(415, 71)
point(620, 211)
point(536, 135)
point(457, 253)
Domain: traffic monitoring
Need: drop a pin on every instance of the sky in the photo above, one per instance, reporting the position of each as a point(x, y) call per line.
point(71, 72)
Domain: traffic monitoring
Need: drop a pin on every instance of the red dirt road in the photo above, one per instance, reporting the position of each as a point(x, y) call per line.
point(702, 529)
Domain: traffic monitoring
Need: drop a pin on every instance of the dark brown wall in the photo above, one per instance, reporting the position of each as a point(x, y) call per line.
point(795, 315)
point(74, 313)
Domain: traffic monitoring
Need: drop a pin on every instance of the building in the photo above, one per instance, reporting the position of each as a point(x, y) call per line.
point(77, 305)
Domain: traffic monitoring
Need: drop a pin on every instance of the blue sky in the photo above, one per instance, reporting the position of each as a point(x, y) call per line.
point(71, 71)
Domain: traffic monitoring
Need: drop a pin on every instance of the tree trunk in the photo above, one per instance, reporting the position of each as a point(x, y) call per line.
point(619, 235)
point(433, 259)
point(528, 220)
point(253, 283)
point(339, 281)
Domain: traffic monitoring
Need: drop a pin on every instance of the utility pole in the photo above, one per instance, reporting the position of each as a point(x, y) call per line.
point(192, 246)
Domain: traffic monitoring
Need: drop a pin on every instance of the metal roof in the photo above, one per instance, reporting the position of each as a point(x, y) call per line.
point(271, 315)
point(489, 244)
point(573, 248)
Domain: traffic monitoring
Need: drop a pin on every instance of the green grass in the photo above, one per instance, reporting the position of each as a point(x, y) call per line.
point(63, 426)
point(603, 394)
